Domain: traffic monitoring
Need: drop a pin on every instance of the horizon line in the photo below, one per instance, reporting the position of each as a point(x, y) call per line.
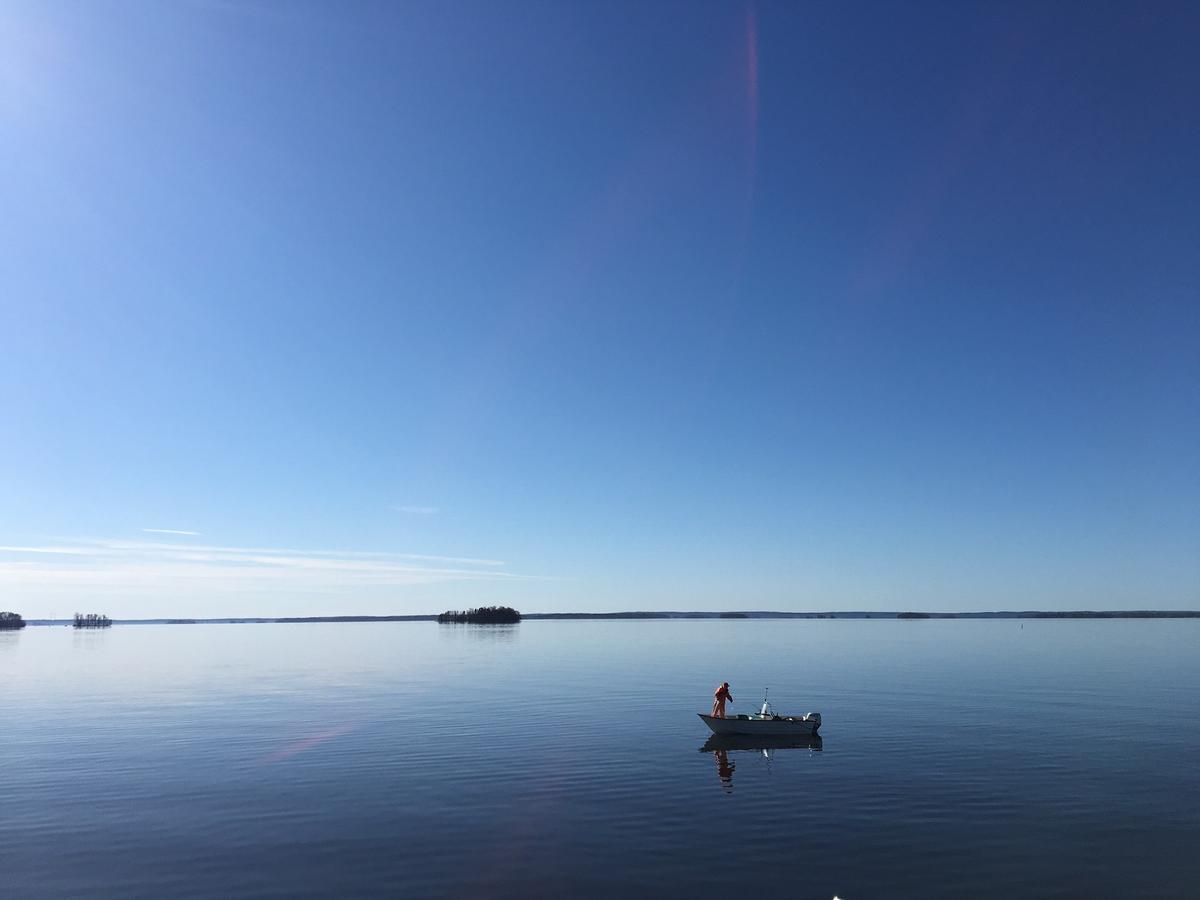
point(670, 614)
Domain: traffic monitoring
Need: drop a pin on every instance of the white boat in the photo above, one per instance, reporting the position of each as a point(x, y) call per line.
point(763, 722)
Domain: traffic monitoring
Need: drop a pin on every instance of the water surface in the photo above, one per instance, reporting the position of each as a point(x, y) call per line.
point(960, 758)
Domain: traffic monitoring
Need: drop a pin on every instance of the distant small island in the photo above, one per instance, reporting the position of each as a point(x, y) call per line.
point(92, 620)
point(11, 621)
point(484, 615)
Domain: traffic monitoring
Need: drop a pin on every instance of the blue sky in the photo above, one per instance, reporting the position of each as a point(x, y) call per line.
point(398, 307)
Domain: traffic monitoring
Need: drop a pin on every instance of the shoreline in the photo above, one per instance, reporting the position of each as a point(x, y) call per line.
point(658, 616)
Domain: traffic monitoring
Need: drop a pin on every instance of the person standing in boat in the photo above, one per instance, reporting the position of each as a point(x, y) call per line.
point(719, 697)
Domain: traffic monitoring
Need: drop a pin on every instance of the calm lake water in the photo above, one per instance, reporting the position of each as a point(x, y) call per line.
point(960, 759)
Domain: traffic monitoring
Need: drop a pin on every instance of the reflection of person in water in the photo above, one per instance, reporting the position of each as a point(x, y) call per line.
point(725, 769)
point(719, 697)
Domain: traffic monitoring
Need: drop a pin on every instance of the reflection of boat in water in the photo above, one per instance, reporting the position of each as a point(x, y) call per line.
point(764, 722)
point(723, 743)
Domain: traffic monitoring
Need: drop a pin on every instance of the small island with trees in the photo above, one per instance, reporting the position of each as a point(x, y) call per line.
point(484, 615)
point(11, 621)
point(92, 620)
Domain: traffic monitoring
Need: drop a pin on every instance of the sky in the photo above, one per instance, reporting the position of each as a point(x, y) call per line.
point(379, 308)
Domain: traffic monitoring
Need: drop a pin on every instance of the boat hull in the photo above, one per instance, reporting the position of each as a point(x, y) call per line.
point(779, 725)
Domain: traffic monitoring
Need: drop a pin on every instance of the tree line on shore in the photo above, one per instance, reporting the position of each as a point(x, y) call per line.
point(10, 621)
point(484, 615)
point(92, 620)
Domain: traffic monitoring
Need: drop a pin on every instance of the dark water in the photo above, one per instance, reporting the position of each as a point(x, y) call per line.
point(960, 759)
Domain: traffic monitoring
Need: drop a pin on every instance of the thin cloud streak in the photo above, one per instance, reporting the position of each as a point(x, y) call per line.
point(140, 567)
point(169, 531)
point(66, 551)
point(98, 545)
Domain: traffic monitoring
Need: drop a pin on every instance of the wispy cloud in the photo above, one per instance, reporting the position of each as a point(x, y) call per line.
point(419, 510)
point(169, 531)
point(161, 567)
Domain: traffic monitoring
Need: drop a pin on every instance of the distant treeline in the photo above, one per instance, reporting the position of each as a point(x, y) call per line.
point(855, 614)
point(92, 620)
point(619, 615)
point(1120, 614)
point(293, 619)
point(95, 621)
point(1058, 614)
point(484, 615)
point(10, 621)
